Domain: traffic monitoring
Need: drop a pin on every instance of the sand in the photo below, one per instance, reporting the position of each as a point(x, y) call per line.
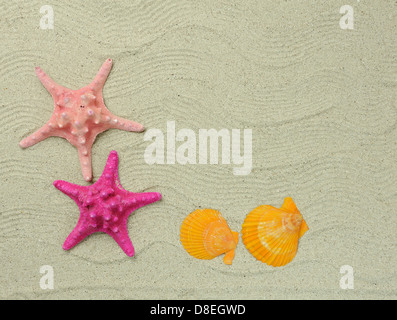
point(321, 103)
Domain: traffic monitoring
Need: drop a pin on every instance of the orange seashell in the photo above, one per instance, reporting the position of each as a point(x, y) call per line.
point(272, 234)
point(206, 235)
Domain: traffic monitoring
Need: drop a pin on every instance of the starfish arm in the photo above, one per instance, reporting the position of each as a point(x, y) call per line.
point(125, 124)
point(70, 189)
point(110, 172)
point(112, 163)
point(43, 133)
point(102, 75)
point(79, 233)
point(85, 162)
point(137, 200)
point(51, 86)
point(146, 198)
point(123, 240)
point(71, 240)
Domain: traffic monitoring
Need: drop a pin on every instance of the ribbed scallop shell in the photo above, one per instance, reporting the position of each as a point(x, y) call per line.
point(272, 234)
point(206, 235)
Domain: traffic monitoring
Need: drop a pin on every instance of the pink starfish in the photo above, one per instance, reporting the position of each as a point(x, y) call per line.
point(79, 116)
point(105, 206)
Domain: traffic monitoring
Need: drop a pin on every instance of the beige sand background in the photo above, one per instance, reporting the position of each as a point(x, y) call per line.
point(321, 102)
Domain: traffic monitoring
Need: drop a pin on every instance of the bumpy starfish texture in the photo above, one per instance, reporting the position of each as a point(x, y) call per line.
point(79, 116)
point(105, 206)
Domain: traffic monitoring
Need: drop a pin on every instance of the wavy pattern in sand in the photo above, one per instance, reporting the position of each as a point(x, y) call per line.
point(320, 102)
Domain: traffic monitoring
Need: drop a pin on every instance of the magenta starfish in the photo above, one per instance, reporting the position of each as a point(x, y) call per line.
point(79, 116)
point(105, 206)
